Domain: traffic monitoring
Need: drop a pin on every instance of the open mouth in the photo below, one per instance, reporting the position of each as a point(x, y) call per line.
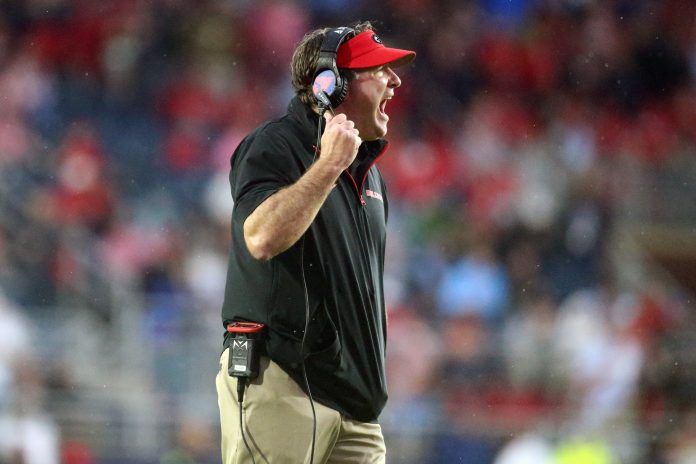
point(383, 106)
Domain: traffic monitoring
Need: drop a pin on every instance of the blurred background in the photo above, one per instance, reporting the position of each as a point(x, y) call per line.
point(541, 262)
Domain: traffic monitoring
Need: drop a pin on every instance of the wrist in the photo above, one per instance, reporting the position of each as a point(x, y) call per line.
point(329, 167)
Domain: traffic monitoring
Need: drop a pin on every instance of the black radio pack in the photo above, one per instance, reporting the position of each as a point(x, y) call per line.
point(245, 349)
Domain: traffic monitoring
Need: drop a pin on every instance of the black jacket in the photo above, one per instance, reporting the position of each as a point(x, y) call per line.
point(343, 264)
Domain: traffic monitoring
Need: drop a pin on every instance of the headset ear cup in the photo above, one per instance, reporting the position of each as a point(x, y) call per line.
point(341, 91)
point(328, 80)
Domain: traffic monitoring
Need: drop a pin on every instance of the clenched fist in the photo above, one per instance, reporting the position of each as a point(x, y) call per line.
point(340, 141)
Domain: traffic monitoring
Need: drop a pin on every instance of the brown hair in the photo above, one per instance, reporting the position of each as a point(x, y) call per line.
point(306, 56)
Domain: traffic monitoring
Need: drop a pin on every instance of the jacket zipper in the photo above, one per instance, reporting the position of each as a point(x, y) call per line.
point(358, 189)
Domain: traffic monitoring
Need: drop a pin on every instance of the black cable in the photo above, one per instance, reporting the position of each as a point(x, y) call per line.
point(304, 369)
point(241, 384)
point(317, 148)
point(306, 298)
point(241, 381)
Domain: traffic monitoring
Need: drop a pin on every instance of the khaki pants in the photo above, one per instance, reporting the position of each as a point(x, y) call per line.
point(278, 424)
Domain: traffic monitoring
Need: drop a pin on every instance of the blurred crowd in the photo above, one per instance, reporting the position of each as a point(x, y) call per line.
point(523, 135)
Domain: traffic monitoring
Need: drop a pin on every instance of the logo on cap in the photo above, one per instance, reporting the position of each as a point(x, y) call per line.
point(376, 38)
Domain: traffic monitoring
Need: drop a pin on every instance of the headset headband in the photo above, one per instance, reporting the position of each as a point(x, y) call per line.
point(329, 47)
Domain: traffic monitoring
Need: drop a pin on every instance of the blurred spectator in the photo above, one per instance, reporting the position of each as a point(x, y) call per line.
point(541, 129)
point(530, 448)
point(527, 339)
point(598, 359)
point(421, 171)
point(27, 433)
point(475, 284)
point(576, 256)
point(83, 195)
point(413, 372)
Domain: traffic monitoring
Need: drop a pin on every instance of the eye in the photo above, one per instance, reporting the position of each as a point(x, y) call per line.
point(380, 72)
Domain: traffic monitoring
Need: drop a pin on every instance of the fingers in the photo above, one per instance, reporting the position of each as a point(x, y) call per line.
point(337, 119)
point(340, 120)
point(341, 139)
point(348, 126)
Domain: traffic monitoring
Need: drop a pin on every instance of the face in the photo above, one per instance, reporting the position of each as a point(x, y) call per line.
point(368, 94)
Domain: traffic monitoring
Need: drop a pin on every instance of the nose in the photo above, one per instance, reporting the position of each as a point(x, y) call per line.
point(394, 80)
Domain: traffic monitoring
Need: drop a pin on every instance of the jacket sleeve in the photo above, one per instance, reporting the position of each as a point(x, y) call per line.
point(261, 165)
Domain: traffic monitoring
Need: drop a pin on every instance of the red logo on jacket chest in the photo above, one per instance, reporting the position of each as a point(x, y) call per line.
point(375, 195)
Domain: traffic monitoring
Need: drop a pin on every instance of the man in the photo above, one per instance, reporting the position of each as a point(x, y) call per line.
point(307, 259)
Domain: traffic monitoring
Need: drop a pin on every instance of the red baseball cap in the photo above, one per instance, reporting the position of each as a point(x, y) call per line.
point(366, 50)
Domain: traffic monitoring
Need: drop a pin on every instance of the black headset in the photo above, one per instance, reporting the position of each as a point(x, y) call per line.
point(330, 88)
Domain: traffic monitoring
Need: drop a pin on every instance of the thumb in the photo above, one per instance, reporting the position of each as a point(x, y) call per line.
point(328, 116)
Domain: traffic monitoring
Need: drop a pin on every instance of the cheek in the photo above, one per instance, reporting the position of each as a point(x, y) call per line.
point(356, 107)
point(362, 107)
